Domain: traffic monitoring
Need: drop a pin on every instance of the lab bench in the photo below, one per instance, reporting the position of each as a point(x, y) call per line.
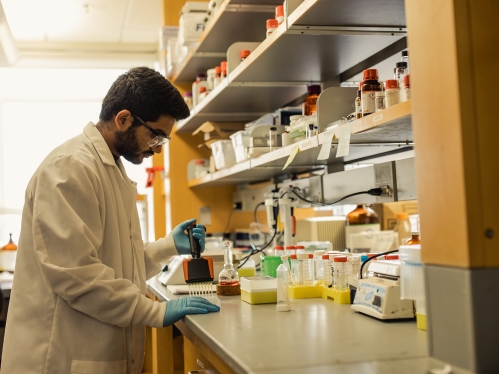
point(316, 336)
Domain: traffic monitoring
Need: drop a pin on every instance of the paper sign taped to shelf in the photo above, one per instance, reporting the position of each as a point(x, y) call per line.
point(343, 141)
point(294, 152)
point(326, 146)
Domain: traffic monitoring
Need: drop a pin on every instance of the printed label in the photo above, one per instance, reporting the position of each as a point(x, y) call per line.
point(368, 102)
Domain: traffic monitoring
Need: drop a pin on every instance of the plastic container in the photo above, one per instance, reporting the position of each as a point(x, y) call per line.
point(200, 80)
point(311, 268)
point(259, 290)
point(279, 14)
point(299, 249)
point(223, 154)
point(392, 96)
point(278, 250)
point(353, 269)
point(290, 250)
point(197, 168)
point(310, 104)
point(210, 76)
point(223, 69)
point(403, 228)
point(282, 288)
point(340, 273)
point(272, 24)
point(240, 143)
point(411, 272)
point(319, 266)
point(368, 91)
point(303, 273)
point(293, 260)
point(202, 93)
point(218, 78)
point(269, 265)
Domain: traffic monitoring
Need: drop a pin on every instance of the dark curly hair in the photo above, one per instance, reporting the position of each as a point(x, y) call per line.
point(145, 93)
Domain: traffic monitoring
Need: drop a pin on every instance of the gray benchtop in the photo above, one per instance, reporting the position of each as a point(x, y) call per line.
point(317, 336)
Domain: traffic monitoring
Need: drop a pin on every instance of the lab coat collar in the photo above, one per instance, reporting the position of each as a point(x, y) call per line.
point(100, 144)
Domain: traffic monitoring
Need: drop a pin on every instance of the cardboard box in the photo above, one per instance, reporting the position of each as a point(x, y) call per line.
point(219, 130)
point(387, 212)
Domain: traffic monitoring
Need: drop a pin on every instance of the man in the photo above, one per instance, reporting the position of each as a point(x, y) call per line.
point(78, 301)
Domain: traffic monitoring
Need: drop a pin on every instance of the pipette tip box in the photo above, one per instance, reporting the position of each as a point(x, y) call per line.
point(259, 290)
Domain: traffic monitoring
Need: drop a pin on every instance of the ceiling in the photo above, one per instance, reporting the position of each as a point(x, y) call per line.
point(75, 33)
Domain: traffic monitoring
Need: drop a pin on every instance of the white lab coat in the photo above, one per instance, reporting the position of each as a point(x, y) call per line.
point(77, 303)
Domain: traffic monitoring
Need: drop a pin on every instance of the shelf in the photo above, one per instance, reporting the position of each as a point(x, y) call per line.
point(385, 134)
point(227, 27)
point(240, 102)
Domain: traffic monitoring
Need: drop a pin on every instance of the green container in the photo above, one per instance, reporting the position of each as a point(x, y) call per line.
point(269, 265)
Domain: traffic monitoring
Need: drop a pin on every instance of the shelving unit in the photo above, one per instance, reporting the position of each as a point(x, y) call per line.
point(388, 131)
point(339, 36)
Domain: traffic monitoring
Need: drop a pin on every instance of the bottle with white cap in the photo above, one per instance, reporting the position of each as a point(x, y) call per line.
point(282, 274)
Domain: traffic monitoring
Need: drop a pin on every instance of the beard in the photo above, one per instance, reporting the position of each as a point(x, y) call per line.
point(127, 144)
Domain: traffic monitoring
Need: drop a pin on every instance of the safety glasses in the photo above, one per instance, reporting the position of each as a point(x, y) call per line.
point(158, 139)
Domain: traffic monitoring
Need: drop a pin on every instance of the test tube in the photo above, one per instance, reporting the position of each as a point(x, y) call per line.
point(299, 249)
point(303, 272)
point(340, 273)
point(319, 266)
point(328, 274)
point(311, 269)
point(290, 250)
point(282, 274)
point(294, 268)
point(353, 270)
point(278, 250)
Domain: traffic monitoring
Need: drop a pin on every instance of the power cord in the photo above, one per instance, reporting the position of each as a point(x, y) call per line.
point(255, 251)
point(372, 192)
point(372, 258)
point(255, 217)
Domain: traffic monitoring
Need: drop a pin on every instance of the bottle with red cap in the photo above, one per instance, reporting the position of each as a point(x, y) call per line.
point(217, 79)
point(200, 81)
point(279, 14)
point(299, 249)
point(290, 250)
point(392, 96)
point(311, 268)
point(358, 103)
point(272, 24)
point(202, 93)
point(369, 88)
point(310, 104)
point(279, 250)
point(328, 270)
point(293, 259)
point(244, 53)
point(223, 70)
point(340, 273)
point(407, 84)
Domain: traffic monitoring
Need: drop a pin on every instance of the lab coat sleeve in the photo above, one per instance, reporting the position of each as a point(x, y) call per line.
point(68, 233)
point(158, 252)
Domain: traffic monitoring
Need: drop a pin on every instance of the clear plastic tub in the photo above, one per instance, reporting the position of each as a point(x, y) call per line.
point(223, 154)
point(240, 143)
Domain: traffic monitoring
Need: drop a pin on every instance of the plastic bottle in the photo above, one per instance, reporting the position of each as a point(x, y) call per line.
point(217, 79)
point(399, 73)
point(353, 269)
point(405, 58)
point(188, 99)
point(244, 54)
point(290, 250)
point(340, 273)
point(278, 250)
point(407, 84)
point(285, 138)
point(195, 88)
point(299, 249)
point(328, 273)
point(310, 104)
point(358, 103)
point(223, 70)
point(379, 101)
point(392, 93)
point(272, 138)
point(272, 24)
point(358, 220)
point(202, 93)
point(414, 239)
point(368, 91)
point(282, 274)
point(210, 76)
point(279, 14)
point(403, 227)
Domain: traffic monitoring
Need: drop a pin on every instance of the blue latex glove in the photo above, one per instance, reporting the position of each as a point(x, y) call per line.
point(177, 308)
point(181, 239)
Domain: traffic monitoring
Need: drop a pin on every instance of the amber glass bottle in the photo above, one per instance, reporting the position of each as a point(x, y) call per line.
point(414, 239)
point(10, 246)
point(310, 104)
point(359, 220)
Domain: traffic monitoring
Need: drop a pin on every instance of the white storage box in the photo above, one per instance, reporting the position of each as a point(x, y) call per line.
point(223, 154)
point(240, 142)
point(192, 22)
